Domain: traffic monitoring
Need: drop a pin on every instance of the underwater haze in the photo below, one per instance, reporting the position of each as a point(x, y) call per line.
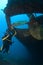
point(17, 50)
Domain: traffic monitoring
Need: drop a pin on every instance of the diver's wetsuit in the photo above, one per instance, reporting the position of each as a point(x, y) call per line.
point(6, 44)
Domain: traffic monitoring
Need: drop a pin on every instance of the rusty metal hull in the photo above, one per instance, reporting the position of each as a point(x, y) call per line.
point(15, 7)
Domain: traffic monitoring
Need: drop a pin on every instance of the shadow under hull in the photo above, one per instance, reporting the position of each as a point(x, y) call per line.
point(33, 45)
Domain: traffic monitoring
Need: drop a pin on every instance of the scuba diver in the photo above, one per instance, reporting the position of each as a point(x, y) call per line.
point(7, 41)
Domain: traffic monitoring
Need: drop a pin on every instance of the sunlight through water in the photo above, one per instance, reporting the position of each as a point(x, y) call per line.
point(3, 3)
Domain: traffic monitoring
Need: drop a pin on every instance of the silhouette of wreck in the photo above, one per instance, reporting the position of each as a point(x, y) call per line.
point(15, 7)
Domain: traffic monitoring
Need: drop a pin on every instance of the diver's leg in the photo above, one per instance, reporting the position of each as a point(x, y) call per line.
point(3, 45)
point(2, 48)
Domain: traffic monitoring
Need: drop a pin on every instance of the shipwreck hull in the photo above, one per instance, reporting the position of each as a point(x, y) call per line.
point(15, 7)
